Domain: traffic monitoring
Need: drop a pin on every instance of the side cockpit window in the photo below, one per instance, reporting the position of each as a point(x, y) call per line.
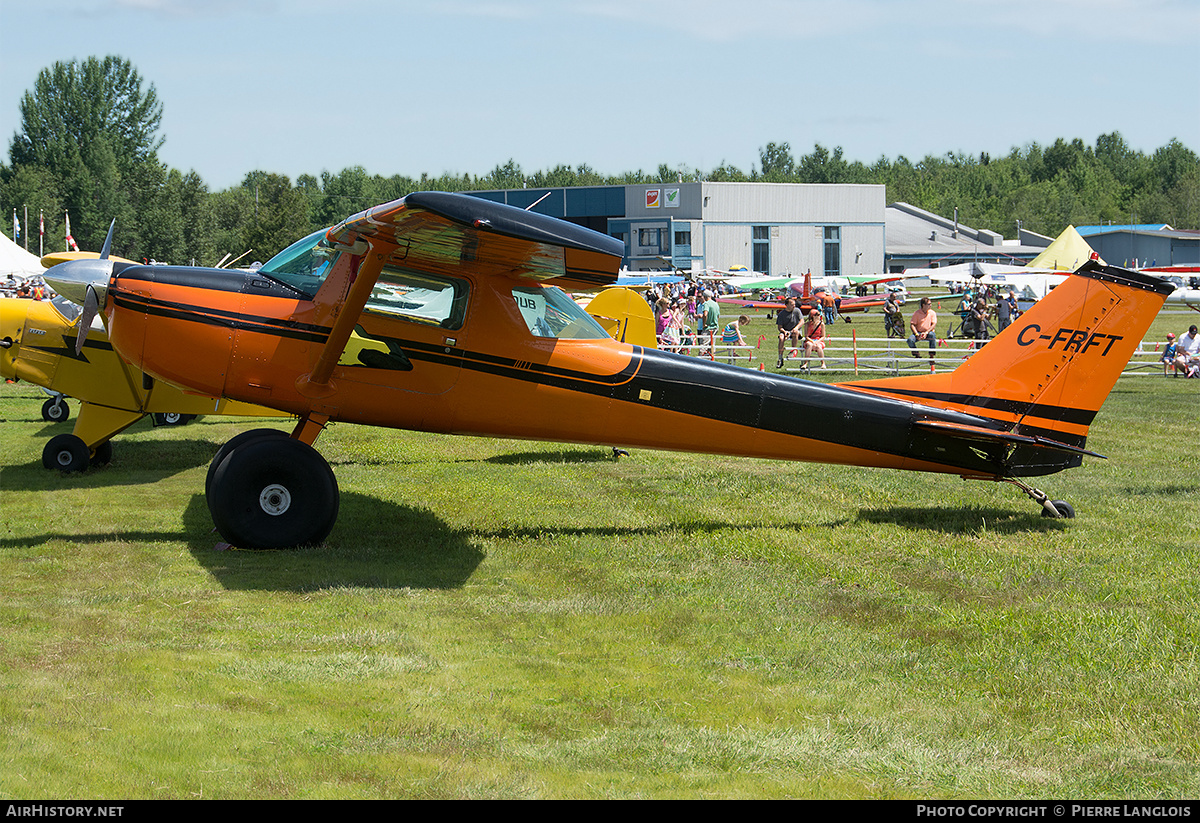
point(550, 312)
point(420, 297)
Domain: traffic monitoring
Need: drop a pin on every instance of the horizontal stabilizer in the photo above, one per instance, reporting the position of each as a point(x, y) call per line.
point(981, 434)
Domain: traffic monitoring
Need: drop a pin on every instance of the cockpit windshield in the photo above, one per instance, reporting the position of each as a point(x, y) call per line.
point(65, 307)
point(302, 265)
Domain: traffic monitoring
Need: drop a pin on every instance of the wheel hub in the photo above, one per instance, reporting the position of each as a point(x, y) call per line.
point(275, 499)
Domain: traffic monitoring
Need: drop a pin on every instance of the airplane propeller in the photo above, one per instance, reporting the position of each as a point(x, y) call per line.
point(84, 282)
point(91, 306)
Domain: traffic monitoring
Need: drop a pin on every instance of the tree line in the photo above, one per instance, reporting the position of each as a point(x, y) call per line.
point(89, 142)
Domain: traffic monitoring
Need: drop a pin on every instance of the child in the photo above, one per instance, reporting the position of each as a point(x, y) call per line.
point(1170, 352)
point(732, 334)
point(814, 338)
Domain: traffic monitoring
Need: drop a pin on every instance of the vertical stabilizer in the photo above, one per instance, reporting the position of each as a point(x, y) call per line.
point(1049, 373)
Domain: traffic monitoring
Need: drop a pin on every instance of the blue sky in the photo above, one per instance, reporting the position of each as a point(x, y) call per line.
point(459, 86)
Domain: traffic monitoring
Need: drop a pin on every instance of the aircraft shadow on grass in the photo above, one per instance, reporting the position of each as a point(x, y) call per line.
point(376, 544)
point(958, 520)
point(147, 462)
point(557, 456)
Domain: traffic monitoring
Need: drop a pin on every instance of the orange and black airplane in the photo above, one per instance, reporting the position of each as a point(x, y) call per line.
point(445, 313)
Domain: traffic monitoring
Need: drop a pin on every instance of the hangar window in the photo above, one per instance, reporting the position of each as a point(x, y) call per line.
point(833, 251)
point(762, 249)
point(650, 239)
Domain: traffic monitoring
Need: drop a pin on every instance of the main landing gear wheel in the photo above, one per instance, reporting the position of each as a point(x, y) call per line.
point(67, 453)
point(273, 493)
point(231, 444)
point(55, 410)
point(102, 456)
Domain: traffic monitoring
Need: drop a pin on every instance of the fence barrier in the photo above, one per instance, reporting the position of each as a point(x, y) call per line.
point(881, 356)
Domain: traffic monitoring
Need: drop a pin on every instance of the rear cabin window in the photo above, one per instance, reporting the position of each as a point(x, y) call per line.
point(549, 312)
point(420, 297)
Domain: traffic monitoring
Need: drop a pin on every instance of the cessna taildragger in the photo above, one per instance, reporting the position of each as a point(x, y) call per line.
point(445, 313)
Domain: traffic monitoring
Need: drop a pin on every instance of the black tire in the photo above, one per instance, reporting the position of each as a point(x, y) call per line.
point(102, 455)
point(1065, 510)
point(67, 453)
point(273, 493)
point(55, 410)
point(232, 443)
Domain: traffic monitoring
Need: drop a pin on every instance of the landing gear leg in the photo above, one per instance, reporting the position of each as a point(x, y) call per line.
point(1050, 508)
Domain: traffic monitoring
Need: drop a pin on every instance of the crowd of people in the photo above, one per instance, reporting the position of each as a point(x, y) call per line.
point(1182, 356)
point(683, 312)
point(29, 289)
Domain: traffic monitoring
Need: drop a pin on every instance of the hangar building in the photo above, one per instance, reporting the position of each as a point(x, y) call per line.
point(779, 229)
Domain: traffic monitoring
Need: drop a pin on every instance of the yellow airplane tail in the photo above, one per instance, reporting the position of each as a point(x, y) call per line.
point(1046, 376)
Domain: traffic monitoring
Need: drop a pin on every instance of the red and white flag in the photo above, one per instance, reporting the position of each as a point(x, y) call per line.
point(71, 244)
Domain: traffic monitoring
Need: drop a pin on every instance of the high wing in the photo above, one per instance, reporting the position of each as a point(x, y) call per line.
point(445, 231)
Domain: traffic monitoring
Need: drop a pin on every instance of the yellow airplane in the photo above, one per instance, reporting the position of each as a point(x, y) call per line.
point(38, 344)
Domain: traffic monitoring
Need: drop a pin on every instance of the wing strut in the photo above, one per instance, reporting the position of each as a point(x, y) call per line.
point(317, 384)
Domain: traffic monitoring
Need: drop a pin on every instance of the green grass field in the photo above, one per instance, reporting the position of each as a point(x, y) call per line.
point(495, 619)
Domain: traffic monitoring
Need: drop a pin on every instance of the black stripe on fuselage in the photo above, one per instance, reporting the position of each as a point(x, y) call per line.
point(273, 326)
point(1066, 414)
point(68, 348)
point(729, 394)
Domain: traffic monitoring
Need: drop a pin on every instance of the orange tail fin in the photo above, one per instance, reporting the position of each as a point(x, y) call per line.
point(1049, 373)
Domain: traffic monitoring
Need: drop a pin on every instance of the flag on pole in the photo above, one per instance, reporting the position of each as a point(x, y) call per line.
point(41, 233)
point(71, 244)
point(16, 227)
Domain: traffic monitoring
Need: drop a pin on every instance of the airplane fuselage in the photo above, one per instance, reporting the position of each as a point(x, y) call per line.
point(243, 336)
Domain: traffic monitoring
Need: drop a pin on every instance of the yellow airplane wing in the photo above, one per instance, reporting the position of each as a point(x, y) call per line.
point(54, 258)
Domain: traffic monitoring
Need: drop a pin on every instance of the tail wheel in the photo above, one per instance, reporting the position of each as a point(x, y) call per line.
point(1065, 510)
point(67, 453)
point(273, 493)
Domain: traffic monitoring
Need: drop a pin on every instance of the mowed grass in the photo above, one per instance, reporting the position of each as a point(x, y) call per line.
point(496, 618)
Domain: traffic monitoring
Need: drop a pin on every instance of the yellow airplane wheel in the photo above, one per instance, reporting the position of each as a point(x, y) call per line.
point(55, 410)
point(67, 453)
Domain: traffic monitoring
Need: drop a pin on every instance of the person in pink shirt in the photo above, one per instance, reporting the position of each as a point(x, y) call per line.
point(923, 324)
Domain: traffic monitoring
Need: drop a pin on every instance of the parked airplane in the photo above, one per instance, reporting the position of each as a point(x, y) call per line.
point(438, 312)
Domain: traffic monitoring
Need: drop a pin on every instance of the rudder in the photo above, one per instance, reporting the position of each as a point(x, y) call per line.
point(1049, 373)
